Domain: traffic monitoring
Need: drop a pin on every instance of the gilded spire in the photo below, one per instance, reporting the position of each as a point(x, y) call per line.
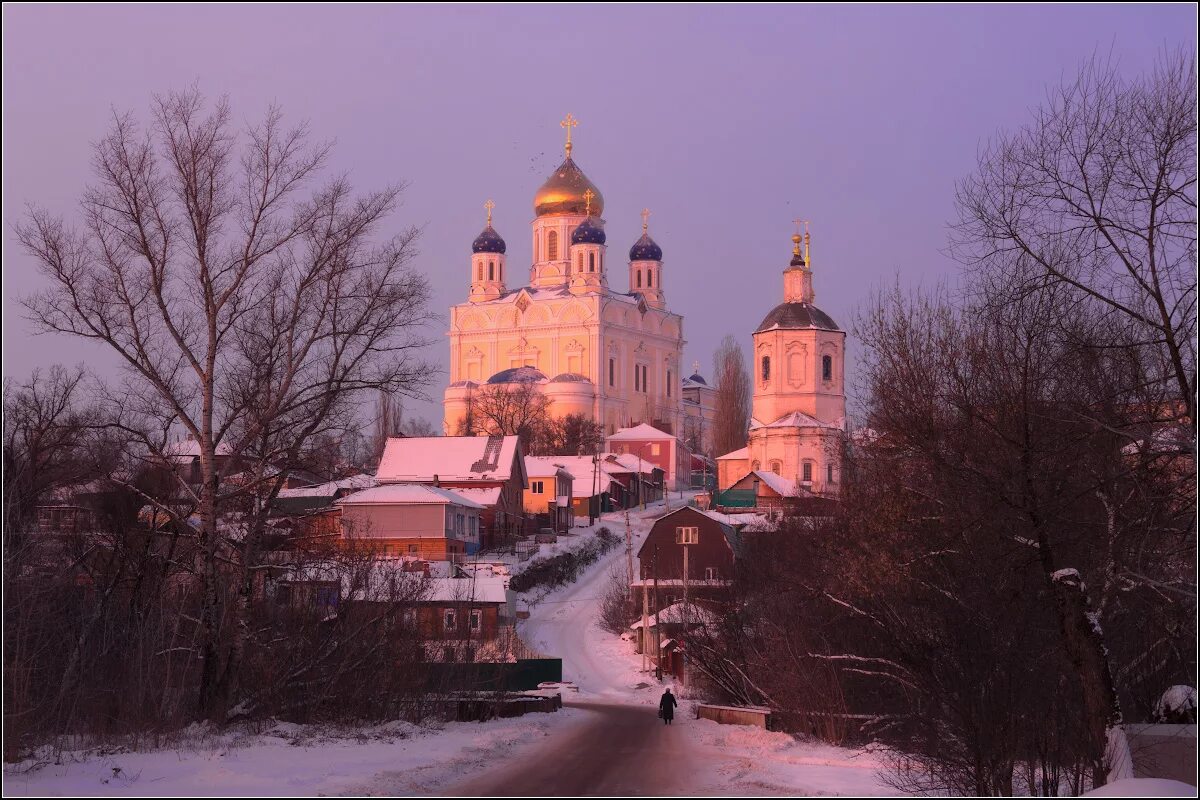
point(796, 239)
point(489, 205)
point(645, 220)
point(807, 263)
point(587, 198)
point(568, 123)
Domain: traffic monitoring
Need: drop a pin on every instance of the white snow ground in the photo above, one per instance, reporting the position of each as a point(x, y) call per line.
point(403, 759)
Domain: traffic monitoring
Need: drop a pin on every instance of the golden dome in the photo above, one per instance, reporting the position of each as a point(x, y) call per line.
point(564, 193)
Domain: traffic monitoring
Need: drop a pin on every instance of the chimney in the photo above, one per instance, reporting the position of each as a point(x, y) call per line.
point(436, 482)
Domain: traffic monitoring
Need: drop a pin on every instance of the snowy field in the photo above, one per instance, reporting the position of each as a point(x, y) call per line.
point(402, 759)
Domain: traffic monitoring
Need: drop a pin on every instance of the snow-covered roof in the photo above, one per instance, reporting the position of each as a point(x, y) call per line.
point(444, 590)
point(785, 487)
point(677, 614)
point(330, 488)
point(797, 419)
point(739, 455)
point(484, 496)
point(408, 494)
point(542, 466)
point(449, 458)
point(190, 448)
point(639, 433)
point(628, 462)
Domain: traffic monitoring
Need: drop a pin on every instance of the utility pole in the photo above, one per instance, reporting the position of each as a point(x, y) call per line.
point(629, 551)
point(657, 622)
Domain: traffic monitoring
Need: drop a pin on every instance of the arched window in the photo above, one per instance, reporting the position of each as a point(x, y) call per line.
point(639, 278)
point(579, 262)
point(537, 245)
point(612, 372)
point(552, 245)
point(807, 472)
point(775, 467)
point(766, 368)
point(602, 262)
point(827, 368)
point(479, 271)
point(649, 277)
point(591, 262)
point(668, 383)
point(491, 270)
point(829, 473)
point(754, 466)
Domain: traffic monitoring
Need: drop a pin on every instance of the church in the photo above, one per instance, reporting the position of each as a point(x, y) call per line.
point(798, 413)
point(590, 347)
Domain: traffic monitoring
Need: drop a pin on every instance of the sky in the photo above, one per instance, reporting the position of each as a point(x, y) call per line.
point(728, 122)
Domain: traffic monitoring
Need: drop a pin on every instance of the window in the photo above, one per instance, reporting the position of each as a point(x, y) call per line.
point(449, 619)
point(649, 277)
point(479, 272)
point(687, 535)
point(655, 449)
point(710, 573)
point(639, 278)
point(645, 370)
point(766, 368)
point(612, 371)
point(409, 617)
point(637, 378)
point(775, 467)
point(476, 620)
point(591, 262)
point(579, 262)
point(669, 382)
point(552, 245)
point(537, 245)
point(829, 474)
point(327, 598)
point(602, 262)
point(412, 549)
point(491, 270)
point(808, 472)
point(536, 487)
point(827, 368)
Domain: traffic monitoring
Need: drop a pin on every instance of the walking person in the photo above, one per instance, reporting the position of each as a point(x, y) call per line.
point(666, 707)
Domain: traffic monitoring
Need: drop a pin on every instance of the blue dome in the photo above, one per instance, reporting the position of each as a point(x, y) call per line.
point(518, 375)
point(645, 249)
point(488, 242)
point(589, 232)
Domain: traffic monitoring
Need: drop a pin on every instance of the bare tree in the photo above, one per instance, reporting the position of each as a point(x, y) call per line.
point(250, 316)
point(1098, 193)
point(734, 391)
point(516, 409)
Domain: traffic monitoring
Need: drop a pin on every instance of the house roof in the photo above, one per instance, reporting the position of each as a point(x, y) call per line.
point(449, 458)
point(485, 496)
point(732, 538)
point(408, 494)
point(639, 433)
point(445, 590)
point(677, 614)
point(543, 466)
point(785, 487)
point(742, 454)
point(330, 488)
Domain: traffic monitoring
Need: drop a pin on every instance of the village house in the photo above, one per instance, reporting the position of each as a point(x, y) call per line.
point(411, 520)
point(654, 447)
point(486, 470)
point(548, 496)
point(709, 548)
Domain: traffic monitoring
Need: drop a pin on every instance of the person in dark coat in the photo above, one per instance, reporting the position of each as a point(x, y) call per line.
point(666, 707)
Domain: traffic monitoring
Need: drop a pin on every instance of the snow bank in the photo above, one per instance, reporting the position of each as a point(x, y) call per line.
point(1143, 787)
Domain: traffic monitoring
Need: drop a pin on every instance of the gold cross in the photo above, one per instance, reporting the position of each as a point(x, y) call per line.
point(489, 205)
point(587, 196)
point(799, 222)
point(645, 219)
point(568, 123)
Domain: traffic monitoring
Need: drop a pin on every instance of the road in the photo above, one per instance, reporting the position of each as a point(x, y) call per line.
point(619, 746)
point(618, 750)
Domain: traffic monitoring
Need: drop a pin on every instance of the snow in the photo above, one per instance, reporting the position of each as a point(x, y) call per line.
point(677, 614)
point(287, 759)
point(1143, 787)
point(408, 494)
point(639, 433)
point(1176, 700)
point(779, 484)
point(484, 497)
point(449, 458)
point(331, 488)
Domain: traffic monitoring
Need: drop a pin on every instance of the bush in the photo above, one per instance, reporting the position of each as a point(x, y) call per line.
point(565, 568)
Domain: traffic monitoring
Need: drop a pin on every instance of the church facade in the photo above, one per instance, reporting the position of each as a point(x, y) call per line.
point(798, 414)
point(612, 355)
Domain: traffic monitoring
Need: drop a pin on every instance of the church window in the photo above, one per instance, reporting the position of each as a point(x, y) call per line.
point(829, 474)
point(479, 272)
point(775, 467)
point(827, 368)
point(602, 262)
point(639, 278)
point(612, 372)
point(552, 245)
point(537, 245)
point(668, 383)
point(591, 262)
point(649, 277)
point(766, 368)
point(491, 270)
point(807, 472)
point(637, 378)
point(580, 263)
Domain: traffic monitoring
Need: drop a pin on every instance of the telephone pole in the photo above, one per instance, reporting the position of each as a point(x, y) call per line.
point(629, 552)
point(645, 619)
point(657, 622)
